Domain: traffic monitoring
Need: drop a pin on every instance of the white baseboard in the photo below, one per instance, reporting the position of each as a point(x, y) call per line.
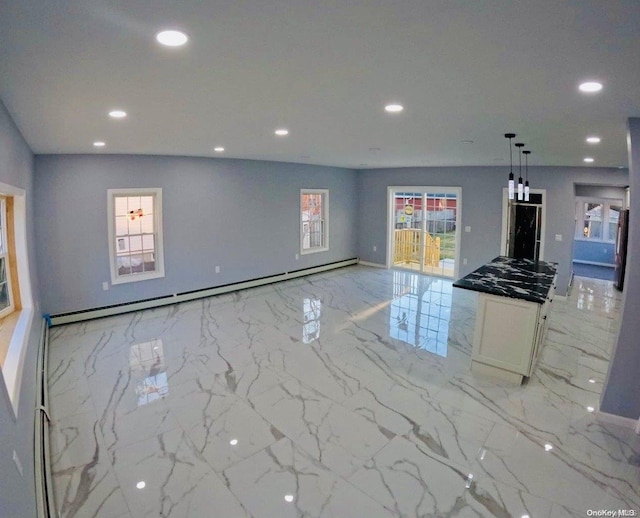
point(560, 297)
point(374, 265)
point(627, 422)
point(68, 318)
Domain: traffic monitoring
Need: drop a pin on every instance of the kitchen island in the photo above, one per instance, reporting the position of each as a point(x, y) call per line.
point(514, 299)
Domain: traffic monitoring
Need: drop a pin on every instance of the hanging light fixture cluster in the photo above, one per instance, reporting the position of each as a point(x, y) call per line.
point(523, 188)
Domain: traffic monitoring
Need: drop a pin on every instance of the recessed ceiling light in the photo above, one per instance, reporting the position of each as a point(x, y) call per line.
point(288, 498)
point(590, 409)
point(282, 132)
point(593, 140)
point(590, 87)
point(394, 108)
point(218, 149)
point(548, 447)
point(117, 114)
point(172, 38)
point(141, 485)
point(233, 442)
point(374, 149)
point(588, 159)
point(467, 141)
point(99, 143)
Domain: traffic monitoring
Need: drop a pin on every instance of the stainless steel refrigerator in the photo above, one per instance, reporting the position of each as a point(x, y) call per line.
point(525, 228)
point(622, 239)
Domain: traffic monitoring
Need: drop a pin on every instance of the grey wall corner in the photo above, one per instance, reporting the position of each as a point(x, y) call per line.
point(621, 395)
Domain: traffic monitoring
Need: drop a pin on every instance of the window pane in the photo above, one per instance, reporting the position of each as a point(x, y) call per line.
point(134, 225)
point(148, 242)
point(146, 204)
point(122, 225)
point(4, 295)
point(3, 272)
point(122, 244)
point(313, 220)
point(614, 216)
point(146, 223)
point(315, 233)
point(592, 228)
point(120, 206)
point(133, 204)
point(149, 262)
point(135, 243)
point(137, 263)
point(124, 265)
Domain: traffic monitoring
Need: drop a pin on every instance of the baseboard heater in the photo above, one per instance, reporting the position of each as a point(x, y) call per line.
point(45, 502)
point(127, 307)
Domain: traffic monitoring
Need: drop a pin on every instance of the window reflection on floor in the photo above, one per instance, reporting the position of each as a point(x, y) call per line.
point(146, 361)
point(420, 311)
point(311, 309)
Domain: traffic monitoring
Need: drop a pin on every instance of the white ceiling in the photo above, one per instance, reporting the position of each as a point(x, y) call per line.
point(463, 69)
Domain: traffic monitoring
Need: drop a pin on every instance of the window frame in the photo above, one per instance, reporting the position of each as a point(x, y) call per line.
point(156, 193)
point(5, 253)
point(325, 219)
point(606, 203)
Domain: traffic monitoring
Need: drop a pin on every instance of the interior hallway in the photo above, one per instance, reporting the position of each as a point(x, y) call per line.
point(344, 394)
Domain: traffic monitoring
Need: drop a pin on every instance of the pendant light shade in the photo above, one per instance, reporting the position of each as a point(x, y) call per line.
point(526, 174)
point(511, 180)
point(520, 145)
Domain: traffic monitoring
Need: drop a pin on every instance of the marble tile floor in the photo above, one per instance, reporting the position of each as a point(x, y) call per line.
point(343, 394)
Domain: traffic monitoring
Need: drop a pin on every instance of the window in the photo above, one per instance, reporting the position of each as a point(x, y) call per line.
point(135, 234)
point(597, 220)
point(6, 298)
point(314, 220)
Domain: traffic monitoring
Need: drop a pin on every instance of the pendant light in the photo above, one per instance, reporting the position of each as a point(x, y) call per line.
point(520, 145)
point(511, 182)
point(526, 175)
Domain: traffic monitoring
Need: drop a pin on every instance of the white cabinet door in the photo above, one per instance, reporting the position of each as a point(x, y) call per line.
point(505, 333)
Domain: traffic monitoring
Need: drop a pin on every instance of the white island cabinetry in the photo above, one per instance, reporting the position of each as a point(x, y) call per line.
point(514, 301)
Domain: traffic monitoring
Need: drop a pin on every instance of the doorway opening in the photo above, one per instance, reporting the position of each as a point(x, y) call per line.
point(423, 229)
point(523, 226)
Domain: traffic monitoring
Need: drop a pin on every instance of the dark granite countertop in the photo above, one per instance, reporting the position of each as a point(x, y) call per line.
point(515, 278)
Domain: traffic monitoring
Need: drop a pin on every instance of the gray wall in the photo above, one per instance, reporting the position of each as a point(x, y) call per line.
point(600, 191)
point(621, 395)
point(239, 214)
point(481, 208)
point(17, 494)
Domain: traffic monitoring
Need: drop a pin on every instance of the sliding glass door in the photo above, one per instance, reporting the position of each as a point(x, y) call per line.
point(423, 229)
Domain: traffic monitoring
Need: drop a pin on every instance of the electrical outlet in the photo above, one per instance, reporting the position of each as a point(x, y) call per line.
point(217, 269)
point(375, 248)
point(297, 256)
point(464, 261)
point(105, 286)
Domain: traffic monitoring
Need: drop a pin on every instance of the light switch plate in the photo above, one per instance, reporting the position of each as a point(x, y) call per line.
point(558, 237)
point(467, 229)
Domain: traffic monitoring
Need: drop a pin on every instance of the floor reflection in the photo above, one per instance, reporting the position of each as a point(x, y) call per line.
point(146, 361)
point(311, 312)
point(421, 311)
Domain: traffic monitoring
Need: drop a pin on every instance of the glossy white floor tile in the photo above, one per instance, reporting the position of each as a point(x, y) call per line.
point(344, 394)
